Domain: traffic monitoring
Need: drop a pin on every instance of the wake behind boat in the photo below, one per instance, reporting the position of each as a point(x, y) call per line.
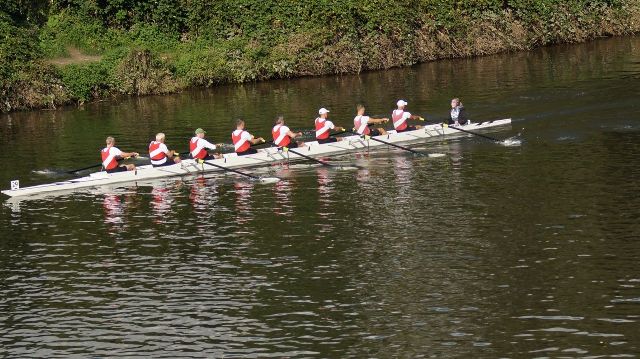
point(262, 157)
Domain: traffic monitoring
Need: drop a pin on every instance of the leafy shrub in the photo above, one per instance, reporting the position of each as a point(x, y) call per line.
point(88, 81)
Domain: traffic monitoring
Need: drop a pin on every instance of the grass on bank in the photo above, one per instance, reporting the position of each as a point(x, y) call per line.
point(157, 47)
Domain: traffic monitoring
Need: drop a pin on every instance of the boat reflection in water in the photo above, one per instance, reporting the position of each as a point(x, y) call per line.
point(202, 196)
point(326, 191)
point(243, 201)
point(282, 192)
point(161, 202)
point(403, 169)
point(363, 175)
point(114, 208)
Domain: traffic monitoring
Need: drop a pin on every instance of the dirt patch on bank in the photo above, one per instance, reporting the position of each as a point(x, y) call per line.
point(75, 57)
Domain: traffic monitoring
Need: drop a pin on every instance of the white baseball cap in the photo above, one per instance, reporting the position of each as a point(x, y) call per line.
point(323, 110)
point(402, 103)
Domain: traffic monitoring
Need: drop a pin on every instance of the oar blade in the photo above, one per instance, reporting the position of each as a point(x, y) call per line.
point(269, 180)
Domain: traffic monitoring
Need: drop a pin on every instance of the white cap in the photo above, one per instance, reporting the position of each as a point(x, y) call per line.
point(402, 103)
point(323, 110)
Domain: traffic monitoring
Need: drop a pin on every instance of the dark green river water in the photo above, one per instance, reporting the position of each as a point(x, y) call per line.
point(489, 251)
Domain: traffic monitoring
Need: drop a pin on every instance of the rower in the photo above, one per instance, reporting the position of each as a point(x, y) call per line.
point(362, 123)
point(111, 154)
point(324, 126)
point(400, 117)
point(282, 135)
point(198, 146)
point(160, 154)
point(458, 115)
point(242, 140)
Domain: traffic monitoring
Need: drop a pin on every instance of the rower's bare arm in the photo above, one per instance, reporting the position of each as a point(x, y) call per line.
point(130, 154)
point(378, 120)
point(294, 134)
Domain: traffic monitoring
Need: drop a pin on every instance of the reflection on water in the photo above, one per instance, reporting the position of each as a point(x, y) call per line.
point(114, 207)
point(242, 191)
point(490, 251)
point(201, 196)
point(161, 202)
point(282, 191)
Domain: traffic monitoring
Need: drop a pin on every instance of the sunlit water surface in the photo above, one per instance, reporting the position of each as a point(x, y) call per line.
point(529, 250)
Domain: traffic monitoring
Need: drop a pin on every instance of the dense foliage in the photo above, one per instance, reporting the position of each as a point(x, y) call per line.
point(161, 46)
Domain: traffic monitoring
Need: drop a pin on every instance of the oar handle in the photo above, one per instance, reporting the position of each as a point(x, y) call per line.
point(474, 133)
point(231, 170)
point(263, 143)
point(94, 166)
point(308, 157)
point(392, 144)
point(84, 168)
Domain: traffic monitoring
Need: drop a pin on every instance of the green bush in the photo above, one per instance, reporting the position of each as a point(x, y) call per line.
point(164, 45)
point(86, 82)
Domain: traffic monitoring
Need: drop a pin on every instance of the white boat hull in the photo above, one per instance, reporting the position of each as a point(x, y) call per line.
point(263, 157)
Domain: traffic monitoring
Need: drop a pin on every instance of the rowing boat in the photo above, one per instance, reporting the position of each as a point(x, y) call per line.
point(264, 157)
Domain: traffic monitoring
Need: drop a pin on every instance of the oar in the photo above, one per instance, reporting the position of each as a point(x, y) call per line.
point(324, 163)
point(98, 165)
point(84, 168)
point(311, 132)
point(260, 179)
point(474, 133)
point(398, 146)
point(304, 131)
point(308, 157)
point(262, 143)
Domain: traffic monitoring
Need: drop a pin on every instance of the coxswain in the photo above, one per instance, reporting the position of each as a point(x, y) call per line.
point(198, 146)
point(110, 156)
point(458, 115)
point(282, 135)
point(242, 140)
point(362, 123)
point(160, 154)
point(324, 127)
point(400, 117)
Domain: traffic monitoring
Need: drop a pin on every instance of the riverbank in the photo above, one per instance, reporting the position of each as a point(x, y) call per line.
point(74, 52)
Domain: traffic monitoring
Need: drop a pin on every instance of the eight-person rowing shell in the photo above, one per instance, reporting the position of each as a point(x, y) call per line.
point(160, 155)
point(400, 117)
point(324, 127)
point(361, 123)
point(111, 154)
point(282, 135)
point(242, 140)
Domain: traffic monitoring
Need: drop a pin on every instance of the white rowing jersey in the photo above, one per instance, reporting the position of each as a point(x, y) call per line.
point(400, 118)
point(322, 128)
point(361, 124)
point(280, 134)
